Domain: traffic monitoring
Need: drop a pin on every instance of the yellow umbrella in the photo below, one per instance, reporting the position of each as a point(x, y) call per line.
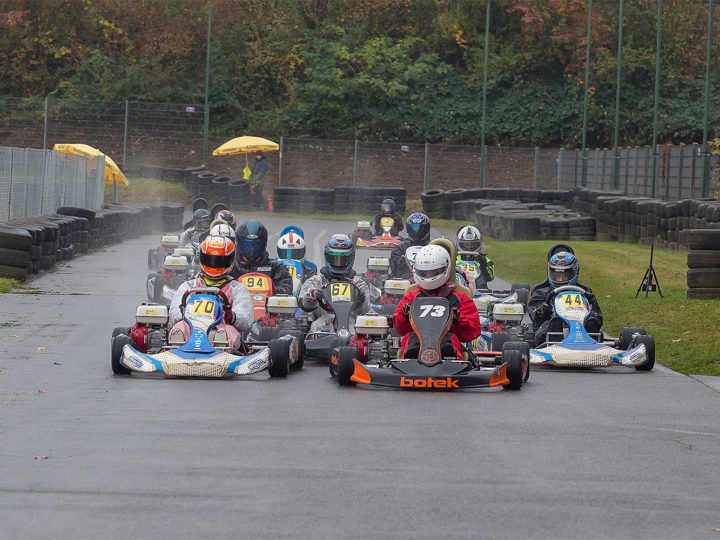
point(245, 145)
point(112, 171)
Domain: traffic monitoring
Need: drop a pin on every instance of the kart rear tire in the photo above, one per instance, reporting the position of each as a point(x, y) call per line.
point(120, 330)
point(267, 333)
point(497, 340)
point(116, 348)
point(151, 258)
point(158, 288)
point(279, 358)
point(626, 336)
point(346, 365)
point(300, 337)
point(514, 369)
point(649, 343)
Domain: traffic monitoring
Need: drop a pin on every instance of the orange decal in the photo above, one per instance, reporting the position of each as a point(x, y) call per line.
point(334, 360)
point(429, 383)
point(360, 374)
point(499, 376)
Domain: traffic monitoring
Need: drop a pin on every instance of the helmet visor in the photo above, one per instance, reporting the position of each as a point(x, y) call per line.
point(469, 245)
point(430, 274)
point(251, 249)
point(218, 262)
point(202, 224)
point(340, 260)
point(559, 277)
point(291, 253)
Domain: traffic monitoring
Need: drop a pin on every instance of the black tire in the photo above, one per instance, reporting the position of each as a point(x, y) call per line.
point(514, 369)
point(346, 365)
point(158, 288)
point(649, 343)
point(47, 261)
point(200, 203)
point(267, 333)
point(703, 294)
point(13, 272)
point(216, 208)
point(279, 358)
point(151, 258)
point(703, 238)
point(116, 347)
point(497, 340)
point(300, 338)
point(559, 247)
point(524, 349)
point(703, 259)
point(120, 330)
point(14, 257)
point(703, 278)
point(626, 336)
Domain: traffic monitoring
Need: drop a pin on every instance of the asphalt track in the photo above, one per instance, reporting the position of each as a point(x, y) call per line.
point(86, 454)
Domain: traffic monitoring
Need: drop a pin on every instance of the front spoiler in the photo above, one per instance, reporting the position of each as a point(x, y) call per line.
point(183, 364)
point(447, 375)
point(584, 355)
point(379, 243)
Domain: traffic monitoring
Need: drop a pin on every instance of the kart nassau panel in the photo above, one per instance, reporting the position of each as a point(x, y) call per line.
point(430, 319)
point(260, 287)
point(384, 241)
point(447, 375)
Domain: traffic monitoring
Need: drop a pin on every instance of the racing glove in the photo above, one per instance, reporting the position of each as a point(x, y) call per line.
point(455, 315)
point(405, 310)
point(229, 317)
point(359, 297)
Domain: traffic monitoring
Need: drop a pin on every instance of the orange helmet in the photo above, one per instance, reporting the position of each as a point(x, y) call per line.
point(217, 256)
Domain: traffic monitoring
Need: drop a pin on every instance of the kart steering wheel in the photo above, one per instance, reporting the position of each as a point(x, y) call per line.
point(564, 288)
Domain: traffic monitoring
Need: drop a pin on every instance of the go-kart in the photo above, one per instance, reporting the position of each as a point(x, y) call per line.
point(145, 347)
point(378, 270)
point(156, 256)
point(364, 235)
point(435, 368)
point(503, 315)
point(575, 347)
point(295, 269)
point(161, 286)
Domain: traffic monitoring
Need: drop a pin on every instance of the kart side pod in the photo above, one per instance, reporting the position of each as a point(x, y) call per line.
point(152, 314)
point(284, 305)
point(508, 312)
point(371, 325)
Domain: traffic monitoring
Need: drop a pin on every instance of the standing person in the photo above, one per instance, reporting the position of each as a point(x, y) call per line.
point(258, 175)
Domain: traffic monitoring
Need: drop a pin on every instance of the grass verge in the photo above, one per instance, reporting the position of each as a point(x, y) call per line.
point(7, 285)
point(149, 190)
point(686, 331)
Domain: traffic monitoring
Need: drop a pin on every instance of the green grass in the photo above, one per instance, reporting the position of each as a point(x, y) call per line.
point(686, 331)
point(7, 285)
point(148, 190)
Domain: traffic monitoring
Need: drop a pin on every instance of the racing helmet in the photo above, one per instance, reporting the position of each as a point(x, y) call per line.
point(432, 267)
point(418, 226)
point(469, 239)
point(228, 217)
point(291, 246)
point(220, 228)
point(217, 256)
point(294, 229)
point(201, 220)
point(339, 255)
point(252, 239)
point(563, 269)
point(388, 205)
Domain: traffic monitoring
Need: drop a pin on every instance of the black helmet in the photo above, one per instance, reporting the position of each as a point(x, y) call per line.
point(252, 237)
point(388, 205)
point(201, 220)
point(418, 226)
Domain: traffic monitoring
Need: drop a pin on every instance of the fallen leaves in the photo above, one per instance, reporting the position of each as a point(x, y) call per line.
point(40, 349)
point(41, 391)
point(58, 363)
point(42, 457)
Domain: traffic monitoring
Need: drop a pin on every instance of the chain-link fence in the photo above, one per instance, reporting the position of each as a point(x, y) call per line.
point(143, 136)
point(40, 181)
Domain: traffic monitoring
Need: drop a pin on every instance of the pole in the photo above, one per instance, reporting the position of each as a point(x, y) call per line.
point(536, 167)
point(585, 97)
point(616, 152)
point(125, 134)
point(355, 162)
point(560, 166)
point(657, 97)
point(45, 128)
point(207, 86)
point(426, 171)
point(280, 160)
point(707, 100)
point(483, 154)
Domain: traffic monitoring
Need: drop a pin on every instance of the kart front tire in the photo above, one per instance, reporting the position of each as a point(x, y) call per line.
point(118, 342)
point(524, 349)
point(300, 338)
point(279, 358)
point(346, 365)
point(514, 369)
point(626, 336)
point(649, 343)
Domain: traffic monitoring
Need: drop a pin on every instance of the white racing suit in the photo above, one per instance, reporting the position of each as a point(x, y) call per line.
point(324, 319)
point(188, 237)
point(241, 307)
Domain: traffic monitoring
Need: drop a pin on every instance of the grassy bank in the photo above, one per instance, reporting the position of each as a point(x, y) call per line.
point(7, 285)
point(148, 190)
point(686, 331)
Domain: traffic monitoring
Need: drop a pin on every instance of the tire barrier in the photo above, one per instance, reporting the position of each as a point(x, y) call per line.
point(703, 260)
point(36, 243)
point(340, 200)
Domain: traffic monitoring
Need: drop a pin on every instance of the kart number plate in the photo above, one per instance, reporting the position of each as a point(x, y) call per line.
point(255, 283)
point(468, 267)
point(340, 291)
point(202, 307)
point(573, 300)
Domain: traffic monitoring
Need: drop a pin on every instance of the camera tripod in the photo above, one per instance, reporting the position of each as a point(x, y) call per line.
point(650, 281)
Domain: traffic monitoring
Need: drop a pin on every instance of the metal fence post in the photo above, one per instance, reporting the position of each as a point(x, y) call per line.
point(280, 160)
point(355, 162)
point(426, 170)
point(536, 167)
point(560, 166)
point(693, 165)
point(45, 127)
point(125, 134)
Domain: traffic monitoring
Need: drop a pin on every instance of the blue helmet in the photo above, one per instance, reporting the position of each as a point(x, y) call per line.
point(563, 269)
point(252, 237)
point(293, 229)
point(339, 255)
point(418, 226)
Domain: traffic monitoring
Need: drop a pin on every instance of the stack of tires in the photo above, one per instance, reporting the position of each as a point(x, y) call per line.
point(221, 188)
point(239, 195)
point(171, 217)
point(433, 203)
point(20, 252)
point(703, 260)
point(204, 187)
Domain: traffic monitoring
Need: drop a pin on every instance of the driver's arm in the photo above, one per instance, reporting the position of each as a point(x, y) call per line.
point(539, 309)
point(401, 322)
point(306, 297)
point(175, 312)
point(378, 226)
point(468, 326)
point(363, 287)
point(595, 311)
point(282, 280)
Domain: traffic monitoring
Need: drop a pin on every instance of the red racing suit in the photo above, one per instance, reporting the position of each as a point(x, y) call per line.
point(464, 329)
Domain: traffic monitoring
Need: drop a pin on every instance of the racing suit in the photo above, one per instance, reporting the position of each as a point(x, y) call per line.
point(312, 288)
point(277, 271)
point(397, 223)
point(398, 264)
point(191, 236)
point(238, 318)
point(487, 268)
point(465, 326)
point(542, 314)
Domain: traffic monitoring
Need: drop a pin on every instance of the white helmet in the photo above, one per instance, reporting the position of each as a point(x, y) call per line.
point(291, 246)
point(469, 239)
point(222, 229)
point(432, 267)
